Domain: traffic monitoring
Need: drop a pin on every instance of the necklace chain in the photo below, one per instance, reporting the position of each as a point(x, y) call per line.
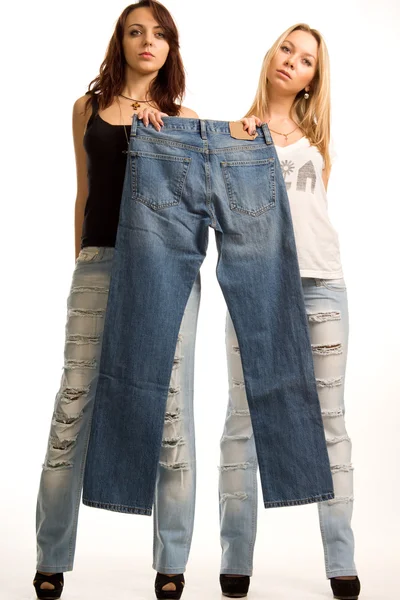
point(124, 126)
point(285, 135)
point(136, 103)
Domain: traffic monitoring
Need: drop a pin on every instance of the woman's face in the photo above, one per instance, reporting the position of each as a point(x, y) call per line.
point(294, 65)
point(144, 42)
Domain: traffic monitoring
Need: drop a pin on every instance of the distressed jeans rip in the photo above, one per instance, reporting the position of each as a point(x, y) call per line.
point(179, 466)
point(174, 391)
point(80, 340)
point(233, 438)
point(329, 383)
point(173, 417)
point(326, 350)
point(331, 413)
point(235, 496)
point(341, 500)
point(67, 444)
point(54, 465)
point(80, 364)
point(80, 289)
point(238, 384)
point(323, 317)
point(346, 468)
point(69, 395)
point(234, 466)
point(240, 412)
point(63, 419)
point(173, 442)
point(337, 439)
point(86, 312)
point(177, 362)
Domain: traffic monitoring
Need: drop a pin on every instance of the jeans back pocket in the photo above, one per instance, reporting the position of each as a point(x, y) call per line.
point(250, 185)
point(158, 179)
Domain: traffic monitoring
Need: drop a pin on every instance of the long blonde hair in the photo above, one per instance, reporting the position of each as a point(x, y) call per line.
point(313, 116)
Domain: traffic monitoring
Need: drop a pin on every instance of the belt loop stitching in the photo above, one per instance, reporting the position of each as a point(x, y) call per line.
point(267, 134)
point(134, 125)
point(203, 130)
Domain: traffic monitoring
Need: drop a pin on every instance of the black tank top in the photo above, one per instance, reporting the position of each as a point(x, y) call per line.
point(106, 147)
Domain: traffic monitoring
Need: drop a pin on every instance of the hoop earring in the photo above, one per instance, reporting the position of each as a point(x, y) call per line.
point(306, 96)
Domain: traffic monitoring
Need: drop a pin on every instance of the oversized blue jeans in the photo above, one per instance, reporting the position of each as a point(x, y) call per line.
point(180, 181)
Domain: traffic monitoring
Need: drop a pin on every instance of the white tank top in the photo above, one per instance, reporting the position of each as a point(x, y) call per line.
point(316, 239)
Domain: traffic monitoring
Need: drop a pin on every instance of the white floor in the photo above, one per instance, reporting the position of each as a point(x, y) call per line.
point(113, 558)
point(126, 579)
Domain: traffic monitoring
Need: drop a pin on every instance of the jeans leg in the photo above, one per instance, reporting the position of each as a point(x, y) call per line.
point(238, 471)
point(61, 481)
point(174, 503)
point(326, 303)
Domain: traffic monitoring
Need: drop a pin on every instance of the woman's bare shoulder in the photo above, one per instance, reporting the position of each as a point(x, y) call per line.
point(82, 107)
point(188, 113)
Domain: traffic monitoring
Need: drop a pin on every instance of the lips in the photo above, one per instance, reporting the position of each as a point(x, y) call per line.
point(284, 73)
point(146, 54)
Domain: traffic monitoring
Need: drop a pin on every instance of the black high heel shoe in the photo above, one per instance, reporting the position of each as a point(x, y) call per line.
point(56, 579)
point(162, 580)
point(345, 589)
point(234, 587)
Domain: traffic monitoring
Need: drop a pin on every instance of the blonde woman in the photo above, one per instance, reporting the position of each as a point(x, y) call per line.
point(293, 97)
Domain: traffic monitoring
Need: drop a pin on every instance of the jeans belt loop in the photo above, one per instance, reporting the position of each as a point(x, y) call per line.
point(267, 134)
point(203, 129)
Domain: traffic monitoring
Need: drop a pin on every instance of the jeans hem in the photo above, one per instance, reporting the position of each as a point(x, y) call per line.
point(117, 507)
point(48, 569)
point(238, 571)
point(341, 573)
point(169, 570)
point(320, 498)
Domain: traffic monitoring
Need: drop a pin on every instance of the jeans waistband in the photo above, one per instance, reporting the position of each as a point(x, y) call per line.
point(200, 127)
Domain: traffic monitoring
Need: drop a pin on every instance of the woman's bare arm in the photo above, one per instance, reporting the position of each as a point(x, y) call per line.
point(80, 118)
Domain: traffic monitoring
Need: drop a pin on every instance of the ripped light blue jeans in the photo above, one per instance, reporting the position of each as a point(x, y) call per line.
point(327, 311)
point(61, 481)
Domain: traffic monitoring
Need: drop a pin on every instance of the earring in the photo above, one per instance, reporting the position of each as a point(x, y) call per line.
point(306, 96)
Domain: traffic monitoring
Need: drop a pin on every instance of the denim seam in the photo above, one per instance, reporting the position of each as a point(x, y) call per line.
point(199, 149)
point(334, 288)
point(171, 143)
point(311, 499)
point(80, 482)
point(323, 536)
point(342, 572)
point(117, 507)
point(59, 569)
point(167, 157)
point(254, 518)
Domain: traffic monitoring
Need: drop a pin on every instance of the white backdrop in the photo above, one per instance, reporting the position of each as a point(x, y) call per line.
point(50, 51)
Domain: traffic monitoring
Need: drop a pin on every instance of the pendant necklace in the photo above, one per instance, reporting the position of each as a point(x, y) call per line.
point(136, 103)
point(285, 135)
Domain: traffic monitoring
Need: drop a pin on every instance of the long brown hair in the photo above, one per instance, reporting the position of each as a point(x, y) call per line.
point(167, 89)
point(313, 115)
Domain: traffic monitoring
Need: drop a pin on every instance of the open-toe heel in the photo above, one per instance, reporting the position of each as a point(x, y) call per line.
point(345, 589)
point(161, 580)
point(56, 579)
point(234, 587)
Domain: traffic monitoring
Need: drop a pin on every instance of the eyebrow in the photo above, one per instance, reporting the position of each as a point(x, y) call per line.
point(304, 53)
point(140, 25)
